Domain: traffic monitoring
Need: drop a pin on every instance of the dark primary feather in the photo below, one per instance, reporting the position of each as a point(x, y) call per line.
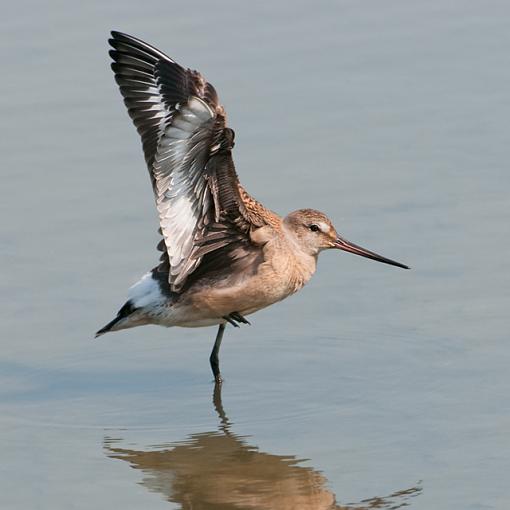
point(205, 215)
point(152, 84)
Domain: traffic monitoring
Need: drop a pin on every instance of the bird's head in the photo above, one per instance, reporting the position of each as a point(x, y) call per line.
point(314, 232)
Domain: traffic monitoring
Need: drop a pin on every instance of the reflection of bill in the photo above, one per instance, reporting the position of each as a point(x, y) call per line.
point(219, 470)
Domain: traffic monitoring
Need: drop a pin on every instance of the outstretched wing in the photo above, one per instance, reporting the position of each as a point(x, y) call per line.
point(187, 147)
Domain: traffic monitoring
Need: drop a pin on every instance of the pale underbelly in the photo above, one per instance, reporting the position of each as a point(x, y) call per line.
point(200, 323)
point(192, 316)
point(213, 304)
point(209, 301)
point(208, 307)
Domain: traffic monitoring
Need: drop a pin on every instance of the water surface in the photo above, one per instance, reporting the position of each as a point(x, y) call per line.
point(374, 385)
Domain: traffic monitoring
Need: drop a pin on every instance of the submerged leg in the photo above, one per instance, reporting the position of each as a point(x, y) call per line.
point(225, 424)
point(213, 359)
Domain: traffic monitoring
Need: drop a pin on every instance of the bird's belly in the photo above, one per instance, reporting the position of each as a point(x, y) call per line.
point(206, 304)
point(181, 314)
point(210, 299)
point(200, 323)
point(209, 308)
point(245, 297)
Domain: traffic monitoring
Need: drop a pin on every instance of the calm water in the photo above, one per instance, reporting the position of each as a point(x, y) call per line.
point(374, 387)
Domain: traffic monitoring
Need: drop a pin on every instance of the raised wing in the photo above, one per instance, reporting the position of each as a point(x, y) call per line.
point(187, 147)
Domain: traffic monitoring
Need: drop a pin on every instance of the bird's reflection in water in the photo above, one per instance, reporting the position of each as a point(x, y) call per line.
point(220, 471)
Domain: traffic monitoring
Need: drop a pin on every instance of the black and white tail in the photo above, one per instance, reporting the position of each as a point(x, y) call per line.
point(126, 310)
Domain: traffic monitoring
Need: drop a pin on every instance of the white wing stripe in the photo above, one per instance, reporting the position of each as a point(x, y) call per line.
point(178, 116)
point(178, 166)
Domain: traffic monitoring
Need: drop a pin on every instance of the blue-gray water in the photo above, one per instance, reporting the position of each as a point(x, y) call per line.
point(393, 118)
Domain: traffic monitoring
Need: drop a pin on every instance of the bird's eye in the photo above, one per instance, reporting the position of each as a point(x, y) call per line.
point(313, 227)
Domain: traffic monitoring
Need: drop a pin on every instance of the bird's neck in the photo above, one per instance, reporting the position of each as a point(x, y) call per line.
point(301, 263)
point(304, 268)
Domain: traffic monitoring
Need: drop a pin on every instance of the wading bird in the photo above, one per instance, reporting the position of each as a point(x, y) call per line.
point(224, 255)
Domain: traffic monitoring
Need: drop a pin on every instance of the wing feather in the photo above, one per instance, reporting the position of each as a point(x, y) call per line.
point(201, 205)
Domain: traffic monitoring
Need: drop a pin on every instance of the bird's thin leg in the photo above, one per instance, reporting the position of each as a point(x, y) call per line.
point(213, 359)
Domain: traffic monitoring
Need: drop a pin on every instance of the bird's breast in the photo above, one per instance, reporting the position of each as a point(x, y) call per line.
point(278, 276)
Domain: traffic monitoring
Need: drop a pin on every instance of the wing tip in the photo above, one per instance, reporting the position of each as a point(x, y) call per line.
point(118, 37)
point(115, 36)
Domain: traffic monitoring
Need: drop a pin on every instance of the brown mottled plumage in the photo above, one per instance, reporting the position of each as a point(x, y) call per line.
point(224, 255)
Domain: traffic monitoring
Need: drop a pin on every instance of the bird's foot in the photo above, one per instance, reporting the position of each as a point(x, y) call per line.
point(235, 318)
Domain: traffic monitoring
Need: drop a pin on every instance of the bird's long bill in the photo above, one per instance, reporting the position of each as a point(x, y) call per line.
point(343, 244)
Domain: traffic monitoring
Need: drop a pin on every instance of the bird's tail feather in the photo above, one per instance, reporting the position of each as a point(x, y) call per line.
point(126, 310)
